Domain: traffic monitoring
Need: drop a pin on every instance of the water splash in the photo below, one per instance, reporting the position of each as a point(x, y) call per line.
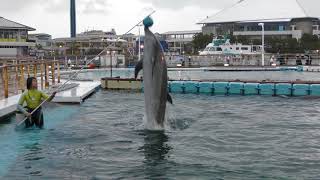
point(172, 121)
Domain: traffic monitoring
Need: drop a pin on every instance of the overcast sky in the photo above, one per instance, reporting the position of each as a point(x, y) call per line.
point(52, 16)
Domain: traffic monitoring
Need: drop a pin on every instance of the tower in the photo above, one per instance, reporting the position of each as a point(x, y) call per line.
point(73, 18)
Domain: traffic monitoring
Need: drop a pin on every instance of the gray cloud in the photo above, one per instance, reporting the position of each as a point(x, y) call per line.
point(102, 6)
point(96, 7)
point(179, 4)
point(54, 6)
point(16, 5)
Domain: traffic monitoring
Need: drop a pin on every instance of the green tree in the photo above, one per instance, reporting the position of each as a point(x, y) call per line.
point(39, 46)
point(200, 41)
point(309, 42)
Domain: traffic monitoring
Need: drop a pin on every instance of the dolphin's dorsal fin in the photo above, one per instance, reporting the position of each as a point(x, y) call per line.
point(138, 68)
point(169, 98)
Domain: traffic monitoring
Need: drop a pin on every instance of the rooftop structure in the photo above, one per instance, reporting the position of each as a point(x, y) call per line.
point(287, 18)
point(14, 38)
point(270, 10)
point(88, 42)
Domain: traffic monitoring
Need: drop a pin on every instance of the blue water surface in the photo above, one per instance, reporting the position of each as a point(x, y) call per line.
point(207, 137)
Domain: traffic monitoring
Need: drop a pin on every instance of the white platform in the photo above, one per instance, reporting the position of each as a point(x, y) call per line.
point(77, 94)
point(74, 95)
point(8, 105)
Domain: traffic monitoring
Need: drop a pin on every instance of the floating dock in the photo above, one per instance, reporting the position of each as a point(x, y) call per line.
point(122, 84)
point(223, 87)
point(78, 93)
point(75, 94)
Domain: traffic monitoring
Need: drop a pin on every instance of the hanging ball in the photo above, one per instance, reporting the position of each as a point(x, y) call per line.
point(147, 22)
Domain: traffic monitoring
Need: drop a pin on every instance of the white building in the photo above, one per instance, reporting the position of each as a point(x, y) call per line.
point(42, 39)
point(88, 43)
point(281, 18)
point(14, 39)
point(179, 41)
point(44, 45)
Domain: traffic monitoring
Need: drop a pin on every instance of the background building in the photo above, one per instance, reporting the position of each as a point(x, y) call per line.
point(44, 45)
point(14, 40)
point(161, 39)
point(281, 18)
point(88, 43)
point(180, 41)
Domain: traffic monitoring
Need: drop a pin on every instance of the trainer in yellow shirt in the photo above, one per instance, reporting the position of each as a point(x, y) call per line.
point(32, 97)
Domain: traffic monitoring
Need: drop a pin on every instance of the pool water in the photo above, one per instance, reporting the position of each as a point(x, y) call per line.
point(208, 137)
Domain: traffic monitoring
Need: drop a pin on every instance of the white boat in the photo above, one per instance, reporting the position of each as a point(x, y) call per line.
point(224, 47)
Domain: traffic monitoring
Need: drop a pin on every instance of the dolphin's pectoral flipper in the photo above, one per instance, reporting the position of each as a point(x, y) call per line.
point(138, 68)
point(169, 98)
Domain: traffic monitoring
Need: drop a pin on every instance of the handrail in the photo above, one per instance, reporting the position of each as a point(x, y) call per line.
point(35, 63)
point(27, 69)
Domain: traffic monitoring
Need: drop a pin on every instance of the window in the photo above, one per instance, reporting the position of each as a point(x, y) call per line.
point(15, 35)
point(281, 28)
point(244, 48)
point(10, 35)
point(6, 34)
point(23, 35)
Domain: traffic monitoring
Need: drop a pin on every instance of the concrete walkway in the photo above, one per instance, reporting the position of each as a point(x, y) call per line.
point(73, 95)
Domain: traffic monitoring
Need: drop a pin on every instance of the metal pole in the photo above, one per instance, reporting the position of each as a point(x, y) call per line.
point(262, 45)
point(57, 90)
point(262, 48)
point(76, 73)
point(139, 44)
point(111, 63)
point(139, 22)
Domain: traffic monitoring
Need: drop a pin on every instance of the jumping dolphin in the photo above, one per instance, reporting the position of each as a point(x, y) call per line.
point(154, 79)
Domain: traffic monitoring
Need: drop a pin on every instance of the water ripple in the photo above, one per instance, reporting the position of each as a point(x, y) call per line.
point(208, 137)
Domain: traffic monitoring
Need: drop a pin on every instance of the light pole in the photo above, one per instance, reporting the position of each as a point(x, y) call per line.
point(139, 42)
point(262, 50)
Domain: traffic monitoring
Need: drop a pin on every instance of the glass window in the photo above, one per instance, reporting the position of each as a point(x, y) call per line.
point(23, 35)
point(211, 49)
point(14, 34)
point(6, 34)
